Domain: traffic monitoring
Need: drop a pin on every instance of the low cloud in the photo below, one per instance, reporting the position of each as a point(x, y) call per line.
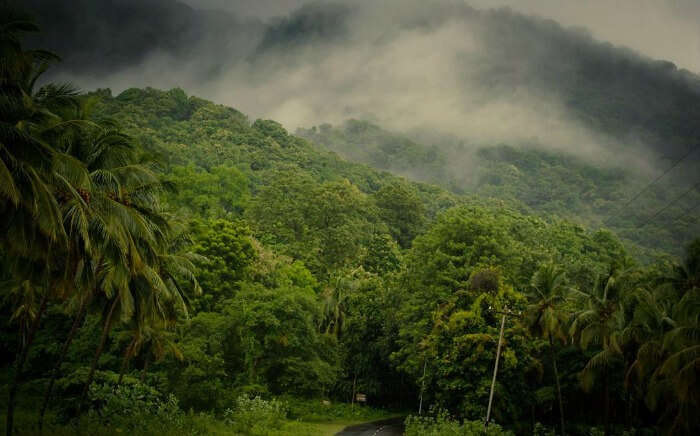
point(485, 76)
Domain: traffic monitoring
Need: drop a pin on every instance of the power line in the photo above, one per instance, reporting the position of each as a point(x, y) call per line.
point(647, 187)
point(674, 201)
point(689, 210)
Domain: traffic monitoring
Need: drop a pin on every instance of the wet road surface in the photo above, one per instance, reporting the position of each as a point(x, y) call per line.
point(389, 427)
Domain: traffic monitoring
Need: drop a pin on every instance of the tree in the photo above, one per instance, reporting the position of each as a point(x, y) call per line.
point(221, 192)
point(155, 289)
point(601, 322)
point(546, 315)
point(31, 171)
point(99, 223)
point(402, 210)
point(670, 357)
point(230, 253)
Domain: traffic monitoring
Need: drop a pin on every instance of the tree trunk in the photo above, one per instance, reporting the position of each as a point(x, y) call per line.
point(61, 357)
point(103, 339)
point(556, 378)
point(145, 368)
point(19, 365)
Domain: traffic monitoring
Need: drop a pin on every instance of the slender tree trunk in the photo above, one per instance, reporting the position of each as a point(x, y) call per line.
point(145, 368)
point(77, 322)
point(19, 364)
point(103, 339)
point(556, 378)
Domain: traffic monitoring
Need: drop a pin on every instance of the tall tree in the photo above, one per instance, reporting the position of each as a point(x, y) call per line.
point(31, 172)
point(547, 316)
point(601, 322)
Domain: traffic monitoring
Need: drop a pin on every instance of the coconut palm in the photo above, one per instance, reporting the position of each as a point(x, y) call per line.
point(670, 359)
point(546, 315)
point(602, 323)
point(155, 292)
point(155, 339)
point(31, 226)
point(97, 228)
point(674, 388)
point(335, 302)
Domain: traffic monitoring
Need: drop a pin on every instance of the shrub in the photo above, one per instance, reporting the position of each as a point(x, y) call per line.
point(138, 409)
point(256, 416)
point(317, 410)
point(443, 425)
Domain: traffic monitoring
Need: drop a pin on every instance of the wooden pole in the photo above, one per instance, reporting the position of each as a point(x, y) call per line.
point(422, 387)
point(352, 400)
point(495, 371)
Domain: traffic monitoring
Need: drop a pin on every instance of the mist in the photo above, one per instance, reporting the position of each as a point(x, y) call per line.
point(487, 76)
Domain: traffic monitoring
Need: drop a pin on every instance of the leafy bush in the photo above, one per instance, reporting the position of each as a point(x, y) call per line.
point(542, 430)
point(136, 407)
point(443, 425)
point(316, 410)
point(256, 416)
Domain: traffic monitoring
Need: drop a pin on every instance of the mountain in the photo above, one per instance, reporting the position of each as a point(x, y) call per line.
point(548, 183)
point(354, 59)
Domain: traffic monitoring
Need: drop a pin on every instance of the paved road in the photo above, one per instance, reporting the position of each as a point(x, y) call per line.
point(389, 427)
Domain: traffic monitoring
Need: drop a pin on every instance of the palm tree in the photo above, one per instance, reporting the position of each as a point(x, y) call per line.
point(158, 313)
point(602, 323)
point(27, 202)
point(31, 227)
point(155, 290)
point(674, 384)
point(335, 302)
point(96, 235)
point(670, 359)
point(546, 315)
point(153, 335)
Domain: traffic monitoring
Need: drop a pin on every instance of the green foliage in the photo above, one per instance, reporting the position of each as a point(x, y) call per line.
point(325, 225)
point(220, 192)
point(443, 425)
point(130, 405)
point(525, 176)
point(279, 340)
point(315, 410)
point(382, 255)
point(402, 210)
point(255, 416)
point(229, 253)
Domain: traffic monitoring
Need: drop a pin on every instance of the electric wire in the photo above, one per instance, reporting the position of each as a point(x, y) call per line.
point(674, 201)
point(647, 187)
point(688, 211)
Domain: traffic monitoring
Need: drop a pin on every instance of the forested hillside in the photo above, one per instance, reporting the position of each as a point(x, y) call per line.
point(547, 183)
point(170, 266)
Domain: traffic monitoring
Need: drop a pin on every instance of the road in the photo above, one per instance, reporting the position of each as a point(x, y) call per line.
point(389, 427)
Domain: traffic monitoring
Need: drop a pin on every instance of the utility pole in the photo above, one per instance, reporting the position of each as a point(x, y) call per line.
point(495, 371)
point(352, 400)
point(422, 387)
